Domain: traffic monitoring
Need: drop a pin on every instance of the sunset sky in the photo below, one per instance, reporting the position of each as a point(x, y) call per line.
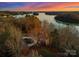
point(39, 6)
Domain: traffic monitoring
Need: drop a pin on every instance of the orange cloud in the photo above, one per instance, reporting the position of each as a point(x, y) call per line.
point(50, 7)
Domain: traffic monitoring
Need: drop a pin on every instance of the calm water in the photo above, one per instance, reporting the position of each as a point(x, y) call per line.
point(49, 19)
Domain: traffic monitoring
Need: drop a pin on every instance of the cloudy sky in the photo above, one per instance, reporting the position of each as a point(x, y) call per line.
point(39, 6)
